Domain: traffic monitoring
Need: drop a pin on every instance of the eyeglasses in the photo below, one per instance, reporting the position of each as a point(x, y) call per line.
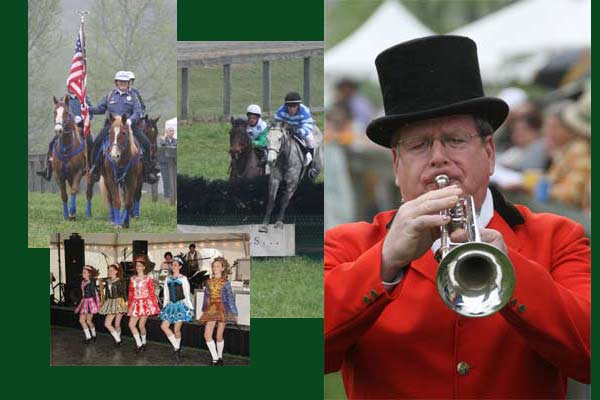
point(418, 145)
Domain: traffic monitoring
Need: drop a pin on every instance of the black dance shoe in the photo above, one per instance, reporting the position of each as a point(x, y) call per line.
point(87, 341)
point(93, 338)
point(118, 344)
point(214, 363)
point(220, 362)
point(138, 349)
point(144, 347)
point(177, 354)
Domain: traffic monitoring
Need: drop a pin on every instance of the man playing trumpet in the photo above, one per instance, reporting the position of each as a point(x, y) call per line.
point(386, 327)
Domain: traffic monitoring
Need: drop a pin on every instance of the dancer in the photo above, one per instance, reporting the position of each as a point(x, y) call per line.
point(218, 308)
point(177, 307)
point(141, 301)
point(89, 304)
point(114, 305)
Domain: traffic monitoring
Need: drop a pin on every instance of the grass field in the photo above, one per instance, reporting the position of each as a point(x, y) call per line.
point(334, 387)
point(203, 149)
point(45, 217)
point(206, 86)
point(287, 287)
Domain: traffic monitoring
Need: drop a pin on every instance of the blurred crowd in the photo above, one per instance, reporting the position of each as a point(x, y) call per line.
point(544, 147)
point(543, 150)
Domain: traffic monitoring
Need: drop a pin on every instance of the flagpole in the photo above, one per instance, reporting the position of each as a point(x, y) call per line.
point(82, 15)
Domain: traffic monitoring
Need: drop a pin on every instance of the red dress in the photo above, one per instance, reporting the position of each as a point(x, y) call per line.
point(142, 299)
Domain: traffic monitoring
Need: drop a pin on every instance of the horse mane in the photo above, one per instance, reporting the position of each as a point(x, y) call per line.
point(132, 147)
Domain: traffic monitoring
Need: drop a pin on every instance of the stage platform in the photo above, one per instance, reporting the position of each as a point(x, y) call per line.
point(67, 348)
point(237, 337)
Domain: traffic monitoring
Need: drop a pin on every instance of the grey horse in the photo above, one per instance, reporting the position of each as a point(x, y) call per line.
point(285, 161)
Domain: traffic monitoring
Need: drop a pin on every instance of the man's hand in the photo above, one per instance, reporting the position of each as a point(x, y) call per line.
point(415, 227)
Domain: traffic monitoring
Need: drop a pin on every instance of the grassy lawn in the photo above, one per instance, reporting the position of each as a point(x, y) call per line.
point(288, 287)
point(45, 217)
point(206, 86)
point(203, 149)
point(334, 387)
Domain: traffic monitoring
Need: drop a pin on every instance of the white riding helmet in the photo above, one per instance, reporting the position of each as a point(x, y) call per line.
point(254, 109)
point(131, 75)
point(122, 76)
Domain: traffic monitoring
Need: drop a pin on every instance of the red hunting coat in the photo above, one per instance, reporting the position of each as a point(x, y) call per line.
point(408, 344)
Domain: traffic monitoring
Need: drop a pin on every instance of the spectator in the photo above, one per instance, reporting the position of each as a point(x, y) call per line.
point(568, 136)
point(361, 110)
point(529, 149)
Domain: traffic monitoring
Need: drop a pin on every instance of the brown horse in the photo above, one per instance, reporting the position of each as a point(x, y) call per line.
point(244, 160)
point(121, 171)
point(150, 128)
point(68, 159)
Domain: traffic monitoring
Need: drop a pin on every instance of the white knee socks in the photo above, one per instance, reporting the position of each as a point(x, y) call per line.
point(220, 346)
point(87, 333)
point(138, 340)
point(213, 350)
point(178, 341)
point(115, 335)
point(143, 339)
point(173, 341)
point(93, 331)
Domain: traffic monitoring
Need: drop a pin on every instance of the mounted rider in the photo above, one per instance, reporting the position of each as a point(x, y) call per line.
point(75, 107)
point(136, 91)
point(298, 117)
point(257, 132)
point(119, 101)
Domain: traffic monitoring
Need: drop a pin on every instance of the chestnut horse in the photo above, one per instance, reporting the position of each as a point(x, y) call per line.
point(150, 128)
point(244, 160)
point(121, 171)
point(68, 159)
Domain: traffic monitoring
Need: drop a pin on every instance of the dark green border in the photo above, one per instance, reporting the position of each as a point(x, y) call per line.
point(286, 354)
point(267, 20)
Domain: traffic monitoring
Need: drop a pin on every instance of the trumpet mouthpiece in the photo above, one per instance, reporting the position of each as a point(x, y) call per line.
point(442, 181)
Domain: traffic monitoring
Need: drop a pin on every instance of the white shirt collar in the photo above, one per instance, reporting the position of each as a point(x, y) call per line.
point(484, 216)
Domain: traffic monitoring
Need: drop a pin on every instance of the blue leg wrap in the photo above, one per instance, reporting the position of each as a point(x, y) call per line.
point(124, 217)
point(136, 208)
point(65, 211)
point(73, 205)
point(88, 209)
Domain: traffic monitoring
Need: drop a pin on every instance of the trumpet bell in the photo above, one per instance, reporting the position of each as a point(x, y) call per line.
point(475, 279)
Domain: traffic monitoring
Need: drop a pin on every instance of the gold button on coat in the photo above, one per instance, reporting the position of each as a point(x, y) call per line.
point(463, 368)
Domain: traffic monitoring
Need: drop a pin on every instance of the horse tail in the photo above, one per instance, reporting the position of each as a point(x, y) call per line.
point(103, 190)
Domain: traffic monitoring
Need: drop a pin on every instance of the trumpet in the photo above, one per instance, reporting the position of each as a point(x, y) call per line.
point(474, 279)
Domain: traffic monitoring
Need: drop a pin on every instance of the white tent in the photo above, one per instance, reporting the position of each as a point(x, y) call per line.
point(355, 56)
point(515, 41)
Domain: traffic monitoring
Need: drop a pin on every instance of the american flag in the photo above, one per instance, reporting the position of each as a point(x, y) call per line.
point(77, 79)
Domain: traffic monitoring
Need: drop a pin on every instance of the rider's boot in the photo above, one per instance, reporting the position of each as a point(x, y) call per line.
point(46, 173)
point(312, 171)
point(149, 175)
point(262, 157)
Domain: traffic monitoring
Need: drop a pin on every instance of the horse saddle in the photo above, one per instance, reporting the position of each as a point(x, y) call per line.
point(301, 142)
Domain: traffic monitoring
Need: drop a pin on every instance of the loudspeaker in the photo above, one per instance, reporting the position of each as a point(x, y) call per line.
point(74, 262)
point(140, 247)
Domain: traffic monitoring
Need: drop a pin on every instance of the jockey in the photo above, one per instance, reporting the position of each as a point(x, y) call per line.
point(75, 108)
point(119, 101)
point(298, 117)
point(257, 132)
point(136, 91)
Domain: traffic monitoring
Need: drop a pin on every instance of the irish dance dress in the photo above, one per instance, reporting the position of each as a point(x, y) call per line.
point(219, 302)
point(177, 300)
point(90, 301)
point(142, 299)
point(114, 297)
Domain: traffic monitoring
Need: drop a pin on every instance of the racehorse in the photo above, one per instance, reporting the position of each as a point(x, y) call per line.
point(68, 159)
point(244, 160)
point(286, 162)
point(150, 128)
point(121, 170)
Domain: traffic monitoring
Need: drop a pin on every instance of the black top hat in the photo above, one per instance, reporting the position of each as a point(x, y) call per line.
point(431, 77)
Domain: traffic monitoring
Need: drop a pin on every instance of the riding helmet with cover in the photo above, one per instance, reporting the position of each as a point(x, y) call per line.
point(293, 98)
point(122, 76)
point(131, 76)
point(253, 109)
